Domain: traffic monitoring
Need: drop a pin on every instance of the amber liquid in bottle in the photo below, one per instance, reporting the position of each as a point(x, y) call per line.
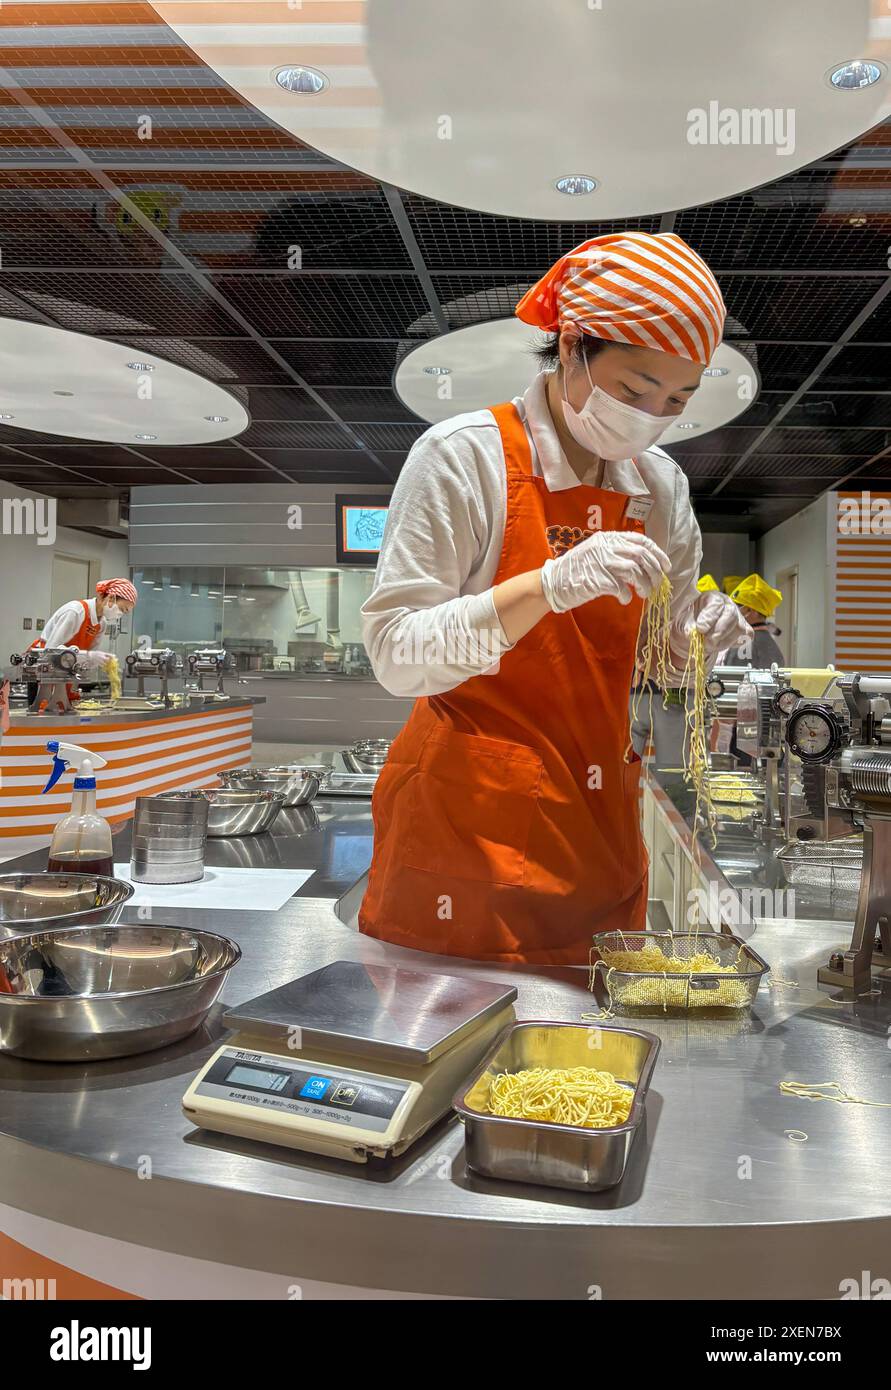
point(75, 864)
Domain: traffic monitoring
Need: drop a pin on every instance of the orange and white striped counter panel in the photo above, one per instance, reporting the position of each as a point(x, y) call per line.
point(145, 753)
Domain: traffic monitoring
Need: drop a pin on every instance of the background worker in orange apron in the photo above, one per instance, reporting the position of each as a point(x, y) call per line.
point(82, 622)
point(520, 546)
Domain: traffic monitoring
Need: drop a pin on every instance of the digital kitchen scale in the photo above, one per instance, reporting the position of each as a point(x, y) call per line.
point(351, 1061)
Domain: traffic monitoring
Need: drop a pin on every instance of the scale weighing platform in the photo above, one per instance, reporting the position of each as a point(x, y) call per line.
point(351, 1061)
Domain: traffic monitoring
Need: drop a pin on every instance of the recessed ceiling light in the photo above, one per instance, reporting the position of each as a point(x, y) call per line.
point(851, 77)
point(716, 371)
point(146, 581)
point(145, 436)
point(438, 371)
point(7, 417)
point(158, 584)
point(141, 366)
point(306, 81)
point(689, 425)
point(575, 184)
point(217, 419)
point(63, 393)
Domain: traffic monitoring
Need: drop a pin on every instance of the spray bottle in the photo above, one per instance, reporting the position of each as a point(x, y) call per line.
point(81, 842)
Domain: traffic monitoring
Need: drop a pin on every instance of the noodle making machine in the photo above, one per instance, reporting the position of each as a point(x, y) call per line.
point(161, 662)
point(58, 672)
point(844, 745)
point(209, 662)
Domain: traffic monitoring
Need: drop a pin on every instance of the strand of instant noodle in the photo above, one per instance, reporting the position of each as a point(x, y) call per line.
point(696, 759)
point(827, 1090)
point(655, 651)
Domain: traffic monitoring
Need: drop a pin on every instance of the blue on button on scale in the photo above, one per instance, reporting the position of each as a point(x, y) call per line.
point(314, 1087)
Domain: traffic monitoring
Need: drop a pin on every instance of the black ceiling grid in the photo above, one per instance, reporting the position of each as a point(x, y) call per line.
point(183, 245)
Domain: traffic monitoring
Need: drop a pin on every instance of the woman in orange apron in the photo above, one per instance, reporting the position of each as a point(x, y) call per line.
point(81, 622)
point(520, 547)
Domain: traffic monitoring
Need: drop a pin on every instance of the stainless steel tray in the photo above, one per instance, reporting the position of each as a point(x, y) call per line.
point(552, 1155)
point(348, 784)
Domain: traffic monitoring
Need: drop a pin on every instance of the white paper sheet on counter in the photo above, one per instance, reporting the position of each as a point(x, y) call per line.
point(250, 890)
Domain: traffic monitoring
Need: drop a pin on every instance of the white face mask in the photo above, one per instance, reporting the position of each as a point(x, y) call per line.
point(611, 429)
point(112, 612)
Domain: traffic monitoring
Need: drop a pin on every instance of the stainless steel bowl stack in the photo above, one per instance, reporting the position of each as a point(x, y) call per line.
point(88, 993)
point(169, 838)
point(368, 755)
point(298, 784)
point(232, 811)
point(32, 902)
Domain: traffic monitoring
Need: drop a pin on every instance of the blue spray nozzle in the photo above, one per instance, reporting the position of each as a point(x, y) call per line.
point(59, 764)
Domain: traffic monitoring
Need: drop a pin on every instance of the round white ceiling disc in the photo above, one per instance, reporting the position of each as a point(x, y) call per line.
point(487, 363)
point(486, 104)
point(70, 384)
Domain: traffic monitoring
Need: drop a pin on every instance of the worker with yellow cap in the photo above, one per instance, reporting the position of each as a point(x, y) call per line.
point(706, 584)
point(757, 602)
point(730, 581)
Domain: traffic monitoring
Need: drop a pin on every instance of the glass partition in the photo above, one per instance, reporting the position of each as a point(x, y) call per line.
point(302, 620)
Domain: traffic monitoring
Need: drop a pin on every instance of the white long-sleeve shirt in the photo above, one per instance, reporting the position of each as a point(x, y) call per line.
point(444, 533)
point(64, 623)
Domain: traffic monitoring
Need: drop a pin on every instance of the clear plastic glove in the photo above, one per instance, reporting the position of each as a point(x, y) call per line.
point(613, 563)
point(719, 620)
point(89, 660)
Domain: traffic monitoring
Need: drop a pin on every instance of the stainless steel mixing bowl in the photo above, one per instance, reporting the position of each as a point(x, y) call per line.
point(31, 902)
point(90, 993)
point(368, 755)
point(297, 783)
point(232, 811)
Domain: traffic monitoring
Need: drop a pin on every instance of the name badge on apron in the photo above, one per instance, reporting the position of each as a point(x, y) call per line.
point(638, 508)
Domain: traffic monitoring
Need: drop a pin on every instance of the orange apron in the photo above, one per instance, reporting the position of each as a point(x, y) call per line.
point(506, 821)
point(85, 639)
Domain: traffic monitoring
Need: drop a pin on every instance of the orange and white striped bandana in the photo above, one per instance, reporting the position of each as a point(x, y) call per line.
point(647, 289)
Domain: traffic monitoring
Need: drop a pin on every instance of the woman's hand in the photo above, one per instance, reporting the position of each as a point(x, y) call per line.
point(610, 563)
point(719, 620)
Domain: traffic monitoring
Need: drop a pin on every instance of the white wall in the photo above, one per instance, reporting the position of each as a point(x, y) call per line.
point(26, 573)
point(803, 541)
point(726, 552)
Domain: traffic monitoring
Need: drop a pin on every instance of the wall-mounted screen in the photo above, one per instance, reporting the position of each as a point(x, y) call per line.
point(360, 527)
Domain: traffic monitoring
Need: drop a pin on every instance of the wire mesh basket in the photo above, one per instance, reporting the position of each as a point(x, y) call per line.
point(835, 865)
point(643, 993)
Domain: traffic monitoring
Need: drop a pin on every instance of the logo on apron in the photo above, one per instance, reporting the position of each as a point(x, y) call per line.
point(563, 538)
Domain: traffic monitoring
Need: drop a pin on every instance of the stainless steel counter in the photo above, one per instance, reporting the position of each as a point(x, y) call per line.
point(718, 1201)
point(21, 719)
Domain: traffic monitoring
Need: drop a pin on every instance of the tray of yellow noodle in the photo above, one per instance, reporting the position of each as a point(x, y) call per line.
point(649, 973)
point(558, 1104)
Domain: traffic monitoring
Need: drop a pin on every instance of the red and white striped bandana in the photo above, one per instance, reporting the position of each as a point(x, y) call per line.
point(647, 289)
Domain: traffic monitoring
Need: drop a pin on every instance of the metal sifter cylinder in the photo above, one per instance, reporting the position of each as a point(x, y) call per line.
point(871, 776)
point(169, 838)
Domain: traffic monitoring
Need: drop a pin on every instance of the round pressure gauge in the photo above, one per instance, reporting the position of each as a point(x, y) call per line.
point(814, 733)
point(786, 700)
point(714, 688)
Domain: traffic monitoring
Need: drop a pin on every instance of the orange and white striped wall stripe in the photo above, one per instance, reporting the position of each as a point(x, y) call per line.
point(863, 581)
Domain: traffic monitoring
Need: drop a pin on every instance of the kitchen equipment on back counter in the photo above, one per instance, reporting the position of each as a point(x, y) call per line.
point(57, 672)
point(843, 742)
point(379, 1052)
point(169, 838)
point(299, 785)
point(84, 994)
point(231, 811)
point(542, 1152)
point(160, 662)
point(212, 663)
point(81, 842)
point(350, 784)
point(33, 902)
